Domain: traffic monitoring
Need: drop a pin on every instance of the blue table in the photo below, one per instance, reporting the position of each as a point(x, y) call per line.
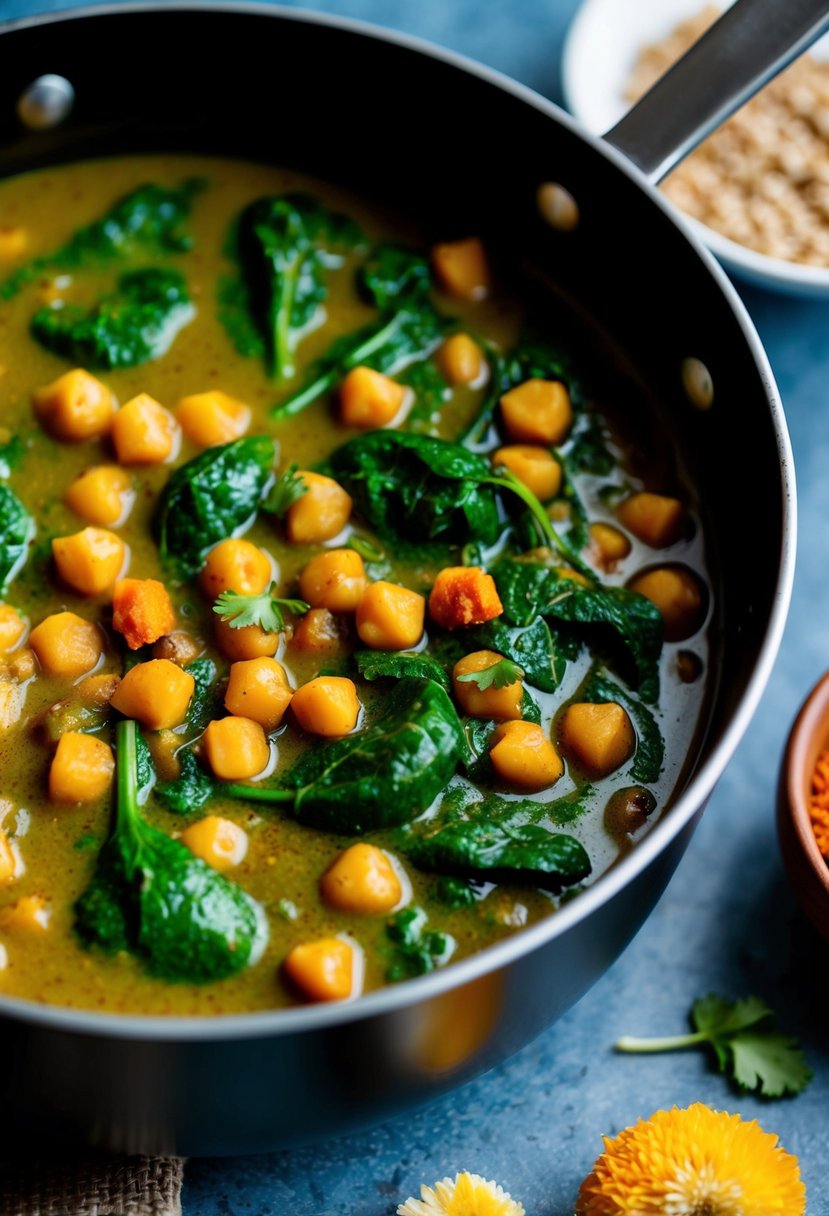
point(728, 922)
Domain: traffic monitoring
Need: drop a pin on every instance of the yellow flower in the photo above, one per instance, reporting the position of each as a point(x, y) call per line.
point(468, 1195)
point(694, 1162)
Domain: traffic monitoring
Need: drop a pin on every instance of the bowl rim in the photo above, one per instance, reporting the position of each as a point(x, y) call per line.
point(393, 998)
point(798, 277)
point(810, 725)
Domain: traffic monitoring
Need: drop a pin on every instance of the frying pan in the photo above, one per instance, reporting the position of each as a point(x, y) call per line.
point(465, 150)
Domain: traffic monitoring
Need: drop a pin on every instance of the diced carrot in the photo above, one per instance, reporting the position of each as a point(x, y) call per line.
point(464, 595)
point(141, 611)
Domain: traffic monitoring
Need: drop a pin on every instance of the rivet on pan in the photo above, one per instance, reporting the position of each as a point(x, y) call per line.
point(557, 206)
point(46, 102)
point(697, 382)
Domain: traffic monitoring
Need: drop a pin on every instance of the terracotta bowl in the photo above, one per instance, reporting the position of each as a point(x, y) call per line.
point(807, 870)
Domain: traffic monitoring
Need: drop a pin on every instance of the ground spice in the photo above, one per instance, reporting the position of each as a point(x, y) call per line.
point(762, 179)
point(819, 803)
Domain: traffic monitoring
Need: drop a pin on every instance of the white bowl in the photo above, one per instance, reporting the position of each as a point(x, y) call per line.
point(599, 55)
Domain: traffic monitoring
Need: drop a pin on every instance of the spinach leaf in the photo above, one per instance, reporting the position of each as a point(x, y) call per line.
point(213, 496)
point(415, 951)
point(462, 805)
point(498, 852)
point(635, 621)
point(11, 452)
point(408, 330)
point(530, 710)
point(587, 447)
point(397, 665)
point(430, 389)
point(205, 702)
point(191, 790)
point(283, 246)
point(145, 775)
point(149, 217)
point(382, 776)
point(16, 531)
point(150, 895)
point(137, 322)
point(650, 746)
point(523, 588)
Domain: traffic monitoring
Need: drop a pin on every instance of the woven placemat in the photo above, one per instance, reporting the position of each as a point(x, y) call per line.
point(96, 1186)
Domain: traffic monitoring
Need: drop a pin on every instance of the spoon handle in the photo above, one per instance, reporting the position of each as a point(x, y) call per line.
point(742, 51)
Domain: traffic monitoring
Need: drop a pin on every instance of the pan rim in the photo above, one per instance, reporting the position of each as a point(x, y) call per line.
point(391, 999)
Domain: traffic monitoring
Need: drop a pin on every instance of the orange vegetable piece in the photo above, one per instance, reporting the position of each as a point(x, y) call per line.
point(335, 580)
point(235, 565)
point(141, 611)
point(12, 627)
point(14, 241)
point(368, 399)
point(390, 617)
point(236, 748)
point(31, 914)
point(89, 561)
point(600, 738)
point(499, 703)
point(461, 360)
point(8, 860)
point(144, 432)
point(247, 642)
point(66, 644)
point(655, 519)
point(213, 417)
point(101, 495)
point(82, 768)
point(609, 544)
point(462, 268)
point(464, 595)
point(76, 406)
point(324, 970)
point(535, 466)
point(521, 754)
point(537, 411)
point(327, 706)
point(258, 689)
point(362, 880)
point(321, 633)
point(219, 842)
point(322, 511)
point(156, 693)
point(678, 595)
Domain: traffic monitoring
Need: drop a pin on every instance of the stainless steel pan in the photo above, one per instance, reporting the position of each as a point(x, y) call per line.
point(378, 111)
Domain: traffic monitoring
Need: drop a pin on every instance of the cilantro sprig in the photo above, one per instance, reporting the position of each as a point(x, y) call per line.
point(497, 675)
point(265, 610)
point(746, 1044)
point(288, 488)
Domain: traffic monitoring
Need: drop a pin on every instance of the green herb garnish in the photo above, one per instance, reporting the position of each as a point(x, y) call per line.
point(497, 675)
point(265, 610)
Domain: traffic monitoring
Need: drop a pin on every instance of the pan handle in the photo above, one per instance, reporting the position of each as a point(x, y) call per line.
point(742, 51)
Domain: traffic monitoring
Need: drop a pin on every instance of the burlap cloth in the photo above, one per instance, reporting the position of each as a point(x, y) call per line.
point(97, 1186)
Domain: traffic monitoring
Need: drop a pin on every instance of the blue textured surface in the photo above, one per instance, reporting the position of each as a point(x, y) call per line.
point(728, 922)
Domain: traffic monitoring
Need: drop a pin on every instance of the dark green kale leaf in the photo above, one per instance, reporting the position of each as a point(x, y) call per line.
point(408, 330)
point(382, 776)
point(415, 951)
point(283, 245)
point(16, 531)
point(137, 322)
point(650, 746)
point(500, 852)
point(148, 218)
point(397, 665)
point(150, 895)
point(215, 495)
point(191, 790)
point(633, 619)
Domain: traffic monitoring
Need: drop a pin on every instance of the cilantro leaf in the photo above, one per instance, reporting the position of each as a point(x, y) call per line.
point(290, 486)
point(747, 1046)
point(497, 675)
point(265, 610)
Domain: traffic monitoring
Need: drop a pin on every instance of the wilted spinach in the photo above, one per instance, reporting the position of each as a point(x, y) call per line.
point(137, 322)
point(150, 217)
point(283, 247)
point(16, 531)
point(150, 895)
point(213, 496)
point(191, 790)
point(397, 665)
point(415, 950)
point(382, 776)
point(500, 852)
